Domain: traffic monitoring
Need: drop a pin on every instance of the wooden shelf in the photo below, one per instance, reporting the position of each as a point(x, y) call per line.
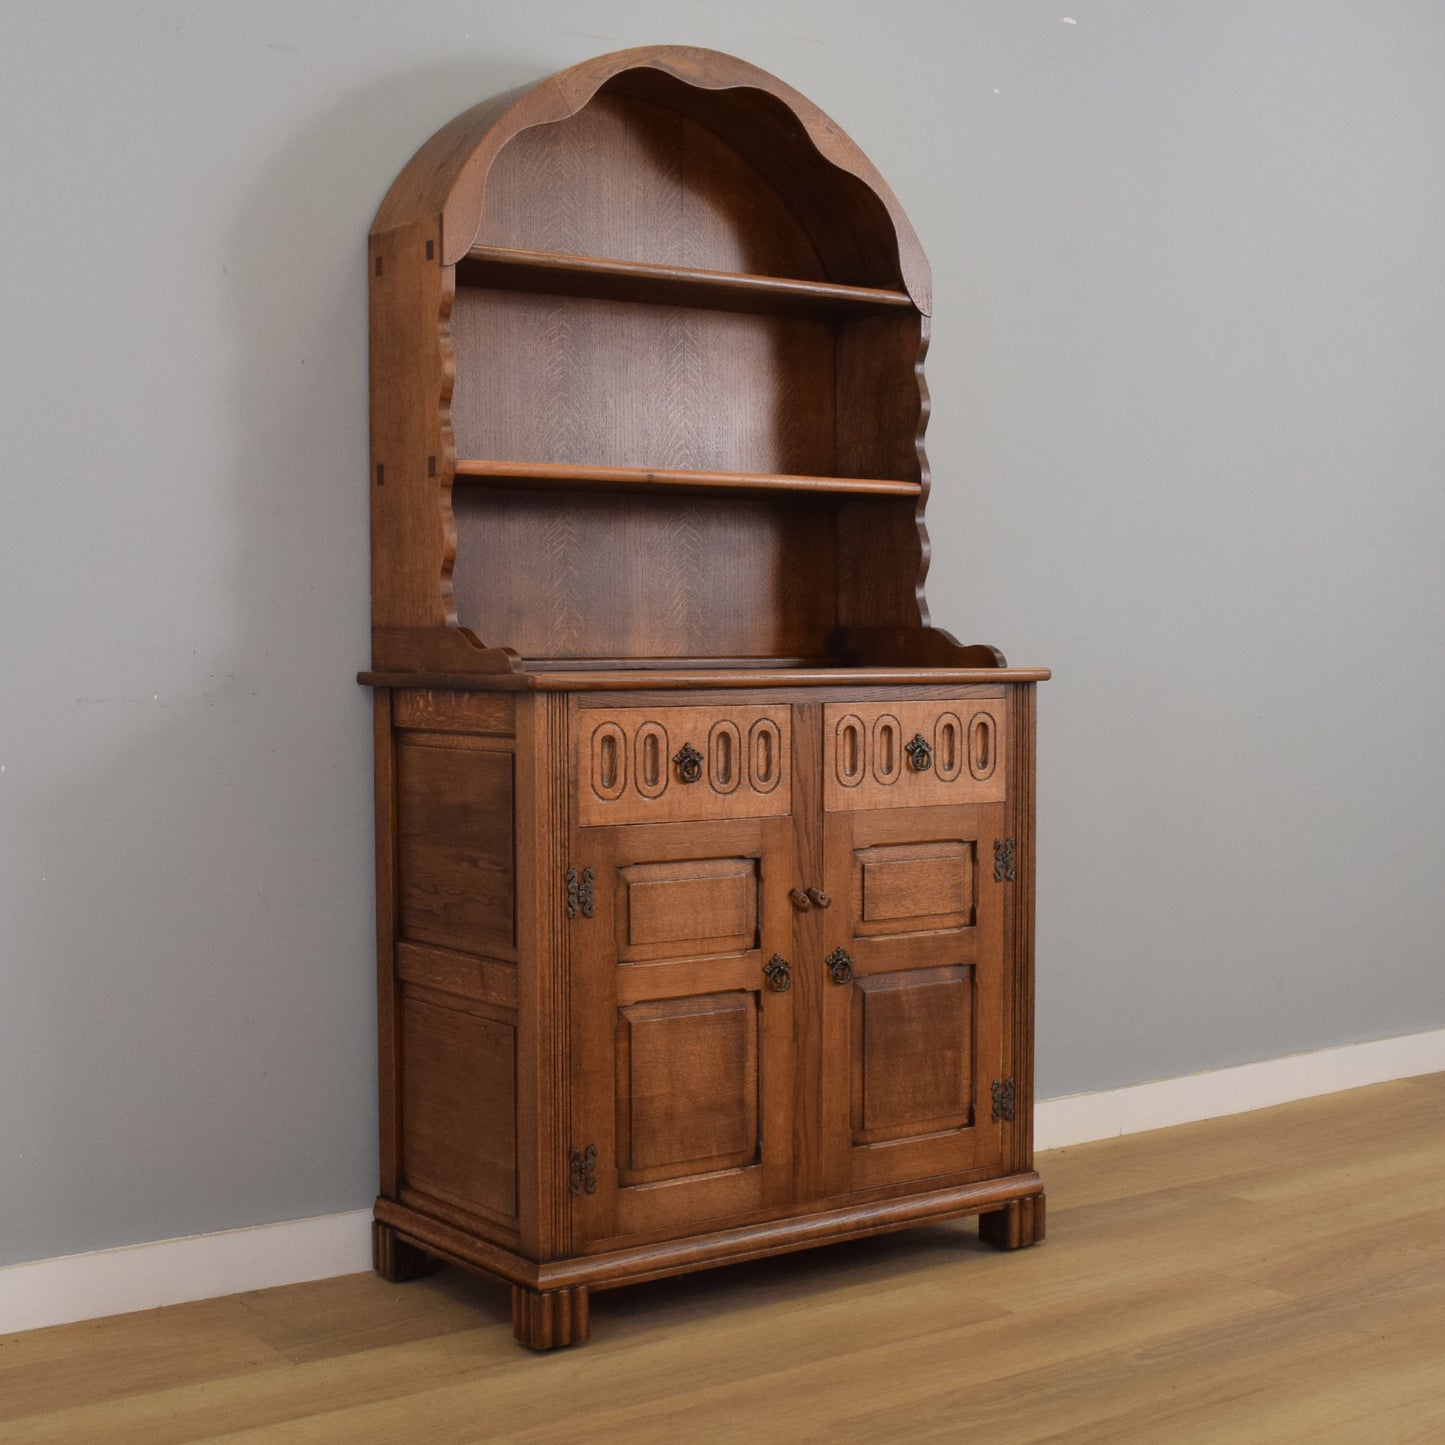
point(553, 273)
point(647, 479)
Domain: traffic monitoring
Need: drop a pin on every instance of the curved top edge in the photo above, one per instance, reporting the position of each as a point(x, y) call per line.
point(447, 176)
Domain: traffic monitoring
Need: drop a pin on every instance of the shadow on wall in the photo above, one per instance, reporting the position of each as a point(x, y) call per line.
point(200, 1053)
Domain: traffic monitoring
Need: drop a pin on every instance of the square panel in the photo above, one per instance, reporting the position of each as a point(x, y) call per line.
point(459, 1123)
point(914, 887)
point(912, 1053)
point(687, 1086)
point(456, 847)
point(692, 908)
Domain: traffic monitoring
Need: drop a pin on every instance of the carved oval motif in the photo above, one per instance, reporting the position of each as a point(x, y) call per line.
point(724, 757)
point(887, 749)
point(765, 760)
point(982, 745)
point(948, 746)
point(850, 751)
point(649, 760)
point(609, 761)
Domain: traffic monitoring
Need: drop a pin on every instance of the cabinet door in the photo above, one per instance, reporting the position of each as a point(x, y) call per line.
point(682, 1048)
point(913, 995)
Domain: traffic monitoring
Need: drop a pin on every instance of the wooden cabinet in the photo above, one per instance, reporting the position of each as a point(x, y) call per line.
point(704, 880)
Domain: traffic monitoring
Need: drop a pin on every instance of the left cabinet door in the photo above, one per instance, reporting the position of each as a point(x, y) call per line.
point(681, 1026)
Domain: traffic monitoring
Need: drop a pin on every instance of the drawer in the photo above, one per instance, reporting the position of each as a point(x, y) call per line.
point(912, 754)
point(683, 764)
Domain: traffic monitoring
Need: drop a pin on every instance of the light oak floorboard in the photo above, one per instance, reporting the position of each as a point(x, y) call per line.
point(1270, 1277)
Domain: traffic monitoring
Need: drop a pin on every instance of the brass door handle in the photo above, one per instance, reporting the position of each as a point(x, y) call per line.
point(689, 763)
point(840, 966)
point(920, 753)
point(779, 973)
point(820, 898)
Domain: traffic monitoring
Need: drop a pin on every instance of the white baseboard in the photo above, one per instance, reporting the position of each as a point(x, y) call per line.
point(172, 1271)
point(1078, 1118)
point(203, 1266)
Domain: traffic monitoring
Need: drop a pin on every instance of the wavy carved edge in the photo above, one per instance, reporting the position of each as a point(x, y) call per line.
point(925, 472)
point(446, 438)
point(448, 175)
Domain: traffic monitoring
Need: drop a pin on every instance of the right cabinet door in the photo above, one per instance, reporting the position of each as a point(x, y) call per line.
point(913, 995)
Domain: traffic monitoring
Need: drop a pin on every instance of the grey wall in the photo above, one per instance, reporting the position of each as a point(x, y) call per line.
point(1188, 441)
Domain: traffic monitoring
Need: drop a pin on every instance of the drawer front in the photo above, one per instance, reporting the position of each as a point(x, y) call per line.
point(914, 754)
point(683, 764)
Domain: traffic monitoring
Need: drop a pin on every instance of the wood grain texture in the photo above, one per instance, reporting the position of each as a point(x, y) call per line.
point(479, 714)
point(1269, 1277)
point(458, 1114)
point(697, 906)
point(603, 383)
point(456, 846)
point(687, 1086)
point(914, 887)
point(579, 575)
point(443, 970)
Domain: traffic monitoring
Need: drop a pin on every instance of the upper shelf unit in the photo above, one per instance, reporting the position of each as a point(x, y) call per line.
point(647, 345)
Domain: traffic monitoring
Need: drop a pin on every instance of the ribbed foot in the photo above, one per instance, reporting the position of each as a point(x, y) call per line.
point(1018, 1224)
point(394, 1258)
point(550, 1319)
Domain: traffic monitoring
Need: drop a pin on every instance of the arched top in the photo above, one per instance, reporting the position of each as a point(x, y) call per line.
point(854, 220)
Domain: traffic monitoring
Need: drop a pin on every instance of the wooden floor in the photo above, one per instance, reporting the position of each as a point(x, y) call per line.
point(1277, 1276)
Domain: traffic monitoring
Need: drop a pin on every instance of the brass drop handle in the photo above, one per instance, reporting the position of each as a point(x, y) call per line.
point(920, 753)
point(779, 973)
point(798, 898)
point(840, 966)
point(689, 763)
point(820, 898)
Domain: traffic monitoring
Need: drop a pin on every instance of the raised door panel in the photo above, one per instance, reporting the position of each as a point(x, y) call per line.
point(913, 1009)
point(682, 1045)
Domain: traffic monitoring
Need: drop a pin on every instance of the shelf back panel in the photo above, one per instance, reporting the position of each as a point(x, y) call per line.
point(606, 383)
point(630, 178)
point(580, 575)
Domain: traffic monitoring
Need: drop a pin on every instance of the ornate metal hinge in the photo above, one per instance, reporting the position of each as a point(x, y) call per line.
point(1003, 1100)
point(1003, 860)
point(583, 1170)
point(579, 892)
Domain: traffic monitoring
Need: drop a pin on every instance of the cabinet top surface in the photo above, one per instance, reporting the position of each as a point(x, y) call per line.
point(705, 679)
